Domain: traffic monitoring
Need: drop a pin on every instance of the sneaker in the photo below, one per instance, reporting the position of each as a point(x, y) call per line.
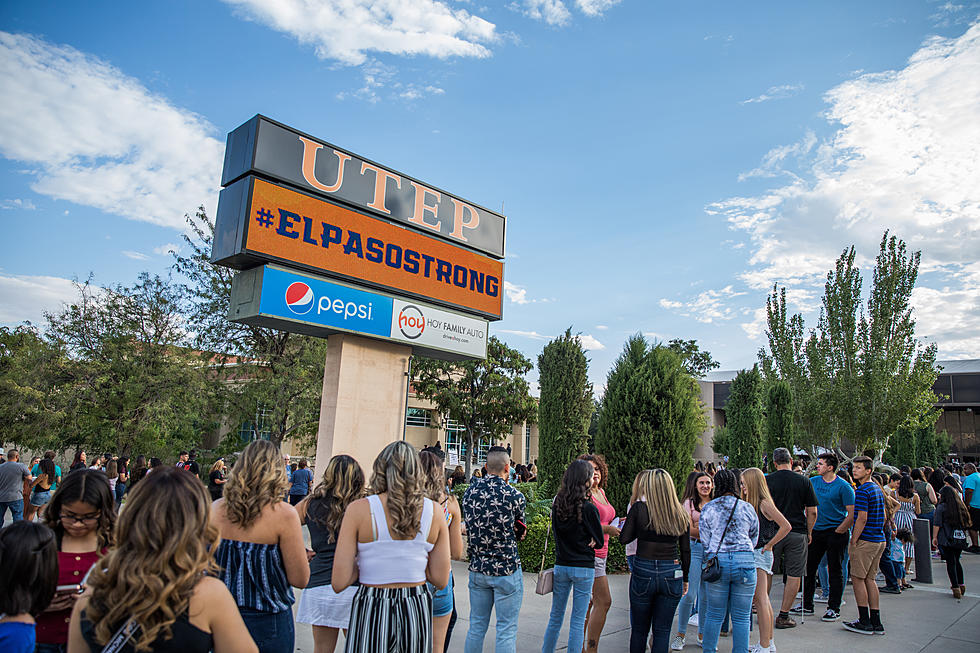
point(693, 621)
point(830, 615)
point(879, 629)
point(821, 598)
point(957, 593)
point(757, 648)
point(798, 608)
point(784, 622)
point(677, 644)
point(857, 627)
point(700, 641)
point(723, 633)
point(889, 590)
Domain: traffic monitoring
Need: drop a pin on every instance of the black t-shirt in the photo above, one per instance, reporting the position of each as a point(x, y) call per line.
point(572, 538)
point(792, 494)
point(651, 545)
point(193, 468)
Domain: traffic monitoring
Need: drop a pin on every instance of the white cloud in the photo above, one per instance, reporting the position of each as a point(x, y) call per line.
point(26, 298)
point(903, 158)
point(708, 306)
point(772, 162)
point(553, 12)
point(780, 92)
point(96, 137)
point(595, 8)
point(533, 335)
point(346, 30)
point(24, 205)
point(165, 250)
point(589, 343)
point(756, 327)
point(601, 327)
point(136, 256)
point(516, 294)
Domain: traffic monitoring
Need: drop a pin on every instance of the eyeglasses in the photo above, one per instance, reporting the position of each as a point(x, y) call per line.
point(81, 519)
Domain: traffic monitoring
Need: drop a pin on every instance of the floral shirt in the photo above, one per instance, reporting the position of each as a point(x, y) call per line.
point(490, 508)
point(742, 533)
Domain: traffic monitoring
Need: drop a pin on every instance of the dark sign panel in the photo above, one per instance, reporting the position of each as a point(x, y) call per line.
point(259, 221)
point(273, 150)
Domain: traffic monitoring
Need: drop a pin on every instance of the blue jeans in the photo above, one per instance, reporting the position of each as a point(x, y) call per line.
point(694, 588)
point(503, 593)
point(273, 632)
point(732, 593)
point(655, 591)
point(578, 581)
point(16, 509)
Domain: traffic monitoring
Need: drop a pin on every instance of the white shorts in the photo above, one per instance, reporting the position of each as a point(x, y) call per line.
point(763, 560)
point(600, 567)
point(321, 606)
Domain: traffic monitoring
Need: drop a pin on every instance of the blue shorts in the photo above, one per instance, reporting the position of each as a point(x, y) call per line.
point(38, 499)
point(442, 600)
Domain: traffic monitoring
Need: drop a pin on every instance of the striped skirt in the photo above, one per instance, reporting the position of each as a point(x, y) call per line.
point(390, 620)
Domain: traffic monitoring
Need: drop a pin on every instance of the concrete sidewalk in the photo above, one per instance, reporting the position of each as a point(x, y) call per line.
point(925, 619)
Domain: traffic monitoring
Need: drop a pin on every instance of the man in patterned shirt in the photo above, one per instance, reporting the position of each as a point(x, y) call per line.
point(491, 509)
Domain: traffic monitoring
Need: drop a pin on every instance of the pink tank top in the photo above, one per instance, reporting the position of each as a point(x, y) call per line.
point(606, 516)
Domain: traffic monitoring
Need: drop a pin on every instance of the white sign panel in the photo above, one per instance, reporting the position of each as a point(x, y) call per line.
point(422, 325)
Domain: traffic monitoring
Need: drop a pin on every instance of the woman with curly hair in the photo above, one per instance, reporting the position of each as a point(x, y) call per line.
point(81, 513)
point(601, 598)
point(575, 521)
point(262, 551)
point(153, 591)
point(400, 541)
point(322, 512)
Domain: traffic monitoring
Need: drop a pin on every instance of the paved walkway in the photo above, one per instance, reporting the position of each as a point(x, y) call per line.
point(926, 619)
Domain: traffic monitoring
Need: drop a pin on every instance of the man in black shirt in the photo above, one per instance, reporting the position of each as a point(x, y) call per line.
point(794, 497)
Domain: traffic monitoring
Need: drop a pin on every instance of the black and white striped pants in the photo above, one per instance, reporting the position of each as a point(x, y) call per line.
point(390, 620)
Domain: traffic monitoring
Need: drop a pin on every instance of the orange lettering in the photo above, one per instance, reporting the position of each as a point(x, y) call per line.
point(459, 223)
point(381, 178)
point(310, 148)
point(421, 207)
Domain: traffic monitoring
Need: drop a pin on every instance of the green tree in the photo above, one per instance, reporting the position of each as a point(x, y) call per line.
point(651, 417)
point(487, 397)
point(779, 416)
point(696, 361)
point(565, 408)
point(269, 380)
point(743, 419)
point(721, 443)
point(903, 447)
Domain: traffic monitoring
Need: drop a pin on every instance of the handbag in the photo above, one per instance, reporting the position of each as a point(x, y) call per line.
point(710, 568)
point(546, 577)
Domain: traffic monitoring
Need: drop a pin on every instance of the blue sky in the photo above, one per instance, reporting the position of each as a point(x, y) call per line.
point(660, 165)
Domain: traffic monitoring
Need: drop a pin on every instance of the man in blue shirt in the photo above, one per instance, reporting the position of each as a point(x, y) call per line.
point(971, 494)
point(867, 545)
point(835, 514)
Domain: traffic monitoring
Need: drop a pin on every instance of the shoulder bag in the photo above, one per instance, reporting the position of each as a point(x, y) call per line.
point(546, 577)
point(710, 568)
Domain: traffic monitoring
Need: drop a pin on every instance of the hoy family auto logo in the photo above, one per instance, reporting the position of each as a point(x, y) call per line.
point(411, 322)
point(299, 298)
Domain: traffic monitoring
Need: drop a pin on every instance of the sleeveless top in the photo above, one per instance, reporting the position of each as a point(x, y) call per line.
point(607, 513)
point(386, 560)
point(186, 638)
point(321, 566)
point(922, 489)
point(767, 530)
point(255, 575)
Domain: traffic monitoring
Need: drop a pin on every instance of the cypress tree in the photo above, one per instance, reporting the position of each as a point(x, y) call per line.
point(779, 416)
point(903, 448)
point(651, 417)
point(743, 417)
point(565, 409)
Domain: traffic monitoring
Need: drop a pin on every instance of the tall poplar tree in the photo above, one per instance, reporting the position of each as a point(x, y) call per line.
point(565, 408)
point(743, 419)
point(779, 416)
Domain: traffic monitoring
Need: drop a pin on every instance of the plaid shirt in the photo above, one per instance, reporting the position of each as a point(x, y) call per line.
point(490, 508)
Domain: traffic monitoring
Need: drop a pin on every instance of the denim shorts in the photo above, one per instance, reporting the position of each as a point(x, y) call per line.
point(763, 560)
point(38, 499)
point(442, 600)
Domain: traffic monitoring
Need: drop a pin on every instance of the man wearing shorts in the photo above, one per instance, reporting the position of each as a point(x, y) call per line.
point(835, 514)
point(867, 545)
point(971, 491)
point(794, 497)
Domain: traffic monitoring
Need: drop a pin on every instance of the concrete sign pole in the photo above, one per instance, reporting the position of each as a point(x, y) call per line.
point(363, 405)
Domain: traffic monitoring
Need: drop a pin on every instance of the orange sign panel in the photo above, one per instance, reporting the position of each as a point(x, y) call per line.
point(293, 227)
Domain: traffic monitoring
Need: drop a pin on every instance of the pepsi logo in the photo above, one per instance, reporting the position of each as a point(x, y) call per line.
point(299, 298)
point(411, 322)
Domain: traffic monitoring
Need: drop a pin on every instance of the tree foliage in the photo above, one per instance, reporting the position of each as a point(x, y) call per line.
point(270, 379)
point(779, 416)
point(565, 408)
point(860, 374)
point(744, 418)
point(651, 417)
point(486, 396)
point(696, 361)
point(721, 441)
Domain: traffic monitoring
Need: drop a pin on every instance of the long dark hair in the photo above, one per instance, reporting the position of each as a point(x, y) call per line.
point(342, 484)
point(47, 468)
point(575, 484)
point(691, 489)
point(937, 479)
point(956, 512)
point(92, 487)
point(906, 488)
point(28, 568)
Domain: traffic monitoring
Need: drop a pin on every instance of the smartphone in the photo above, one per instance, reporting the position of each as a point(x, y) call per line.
point(69, 588)
point(520, 529)
point(622, 522)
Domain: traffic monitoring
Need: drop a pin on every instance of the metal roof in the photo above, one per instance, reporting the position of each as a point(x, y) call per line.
point(965, 366)
point(721, 376)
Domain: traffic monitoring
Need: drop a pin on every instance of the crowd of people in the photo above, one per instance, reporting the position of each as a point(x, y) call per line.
point(188, 565)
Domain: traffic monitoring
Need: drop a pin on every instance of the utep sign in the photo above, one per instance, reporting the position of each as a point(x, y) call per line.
point(259, 221)
point(274, 297)
point(270, 149)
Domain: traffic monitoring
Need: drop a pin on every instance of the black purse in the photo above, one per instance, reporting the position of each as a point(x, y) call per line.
point(710, 568)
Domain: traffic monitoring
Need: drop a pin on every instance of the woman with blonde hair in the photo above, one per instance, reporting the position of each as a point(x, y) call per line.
point(660, 526)
point(322, 512)
point(773, 527)
point(153, 591)
point(216, 479)
point(262, 551)
point(400, 541)
point(442, 600)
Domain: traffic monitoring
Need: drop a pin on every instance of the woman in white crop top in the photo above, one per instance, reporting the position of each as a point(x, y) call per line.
point(400, 541)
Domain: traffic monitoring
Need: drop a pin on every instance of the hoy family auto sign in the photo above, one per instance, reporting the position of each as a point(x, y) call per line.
point(293, 200)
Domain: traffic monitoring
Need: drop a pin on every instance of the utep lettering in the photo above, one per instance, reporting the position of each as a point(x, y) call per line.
point(377, 251)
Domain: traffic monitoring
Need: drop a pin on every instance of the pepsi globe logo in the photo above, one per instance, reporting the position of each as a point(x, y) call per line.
point(299, 298)
point(411, 322)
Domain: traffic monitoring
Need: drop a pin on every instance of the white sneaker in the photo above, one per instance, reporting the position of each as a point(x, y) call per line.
point(772, 646)
point(757, 648)
point(821, 599)
point(677, 643)
point(693, 621)
point(700, 641)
